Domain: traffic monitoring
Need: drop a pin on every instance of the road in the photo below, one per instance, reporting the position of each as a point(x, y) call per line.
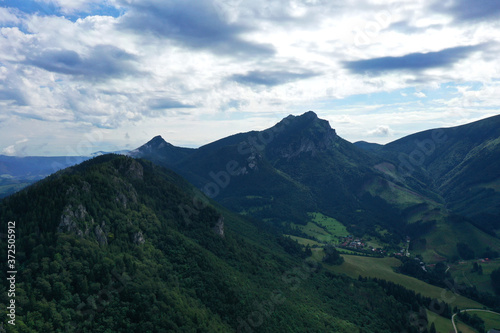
point(467, 310)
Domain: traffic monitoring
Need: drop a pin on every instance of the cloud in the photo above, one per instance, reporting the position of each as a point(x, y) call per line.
point(102, 62)
point(420, 94)
point(465, 10)
point(6, 16)
point(10, 150)
point(413, 61)
point(186, 61)
point(381, 131)
point(22, 141)
point(271, 78)
point(197, 24)
point(13, 95)
point(406, 28)
point(167, 103)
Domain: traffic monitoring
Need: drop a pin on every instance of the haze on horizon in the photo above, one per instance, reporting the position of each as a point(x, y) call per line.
point(82, 76)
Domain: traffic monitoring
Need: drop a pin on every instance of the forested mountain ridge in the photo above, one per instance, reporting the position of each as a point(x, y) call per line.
point(118, 245)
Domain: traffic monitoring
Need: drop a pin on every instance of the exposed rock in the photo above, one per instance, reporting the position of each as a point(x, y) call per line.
point(252, 161)
point(310, 145)
point(128, 195)
point(100, 235)
point(74, 190)
point(121, 198)
point(135, 170)
point(72, 219)
point(138, 238)
point(86, 187)
point(219, 227)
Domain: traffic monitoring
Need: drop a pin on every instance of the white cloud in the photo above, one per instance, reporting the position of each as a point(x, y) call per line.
point(102, 76)
point(8, 17)
point(10, 150)
point(22, 141)
point(381, 130)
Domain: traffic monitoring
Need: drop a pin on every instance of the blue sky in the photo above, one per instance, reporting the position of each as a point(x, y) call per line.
point(78, 76)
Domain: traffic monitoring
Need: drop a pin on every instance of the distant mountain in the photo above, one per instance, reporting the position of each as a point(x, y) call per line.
point(301, 166)
point(19, 172)
point(34, 167)
point(121, 245)
point(368, 145)
point(118, 152)
point(161, 152)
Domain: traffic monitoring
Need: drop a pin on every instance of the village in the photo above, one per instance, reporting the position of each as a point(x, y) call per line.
point(361, 245)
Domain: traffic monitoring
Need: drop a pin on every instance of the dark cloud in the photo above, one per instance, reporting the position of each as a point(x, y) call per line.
point(412, 61)
point(197, 24)
point(103, 61)
point(407, 28)
point(167, 103)
point(466, 10)
point(14, 95)
point(271, 78)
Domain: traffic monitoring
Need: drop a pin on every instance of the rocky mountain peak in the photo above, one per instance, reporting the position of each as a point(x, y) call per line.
point(304, 133)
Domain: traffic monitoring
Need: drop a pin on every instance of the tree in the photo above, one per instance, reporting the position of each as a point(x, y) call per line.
point(332, 256)
point(465, 252)
point(432, 329)
point(495, 280)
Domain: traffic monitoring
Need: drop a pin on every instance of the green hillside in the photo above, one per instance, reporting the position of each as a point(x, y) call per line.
point(461, 163)
point(121, 245)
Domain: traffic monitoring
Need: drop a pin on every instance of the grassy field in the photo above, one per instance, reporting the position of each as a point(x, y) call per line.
point(462, 273)
point(346, 251)
point(442, 324)
point(382, 268)
point(322, 228)
point(464, 328)
point(304, 241)
point(491, 320)
point(314, 231)
point(334, 227)
point(444, 237)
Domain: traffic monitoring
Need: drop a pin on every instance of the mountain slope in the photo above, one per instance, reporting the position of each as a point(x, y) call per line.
point(119, 245)
point(460, 163)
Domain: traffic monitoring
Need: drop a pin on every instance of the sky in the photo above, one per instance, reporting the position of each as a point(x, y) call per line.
point(79, 76)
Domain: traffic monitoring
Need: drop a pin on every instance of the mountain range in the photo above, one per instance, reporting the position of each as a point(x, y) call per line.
point(236, 236)
point(433, 185)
